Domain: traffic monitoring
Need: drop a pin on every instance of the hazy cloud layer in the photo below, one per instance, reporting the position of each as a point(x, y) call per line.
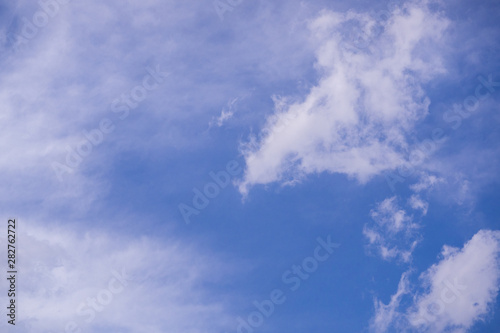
point(96, 279)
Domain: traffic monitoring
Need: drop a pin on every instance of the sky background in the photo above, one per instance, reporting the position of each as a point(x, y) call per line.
point(371, 126)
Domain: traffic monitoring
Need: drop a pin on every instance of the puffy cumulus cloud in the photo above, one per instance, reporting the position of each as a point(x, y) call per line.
point(354, 121)
point(461, 287)
point(392, 234)
point(102, 282)
point(455, 293)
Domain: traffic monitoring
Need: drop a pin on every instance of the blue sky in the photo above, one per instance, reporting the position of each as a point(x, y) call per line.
point(252, 166)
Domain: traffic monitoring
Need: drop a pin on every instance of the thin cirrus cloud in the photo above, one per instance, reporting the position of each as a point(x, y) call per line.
point(95, 280)
point(354, 121)
point(456, 292)
point(62, 82)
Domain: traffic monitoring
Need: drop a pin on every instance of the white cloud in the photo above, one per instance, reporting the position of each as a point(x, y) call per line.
point(426, 182)
point(387, 314)
point(455, 187)
point(460, 288)
point(53, 89)
point(392, 233)
point(355, 119)
point(226, 114)
point(457, 292)
point(390, 216)
point(418, 204)
point(166, 290)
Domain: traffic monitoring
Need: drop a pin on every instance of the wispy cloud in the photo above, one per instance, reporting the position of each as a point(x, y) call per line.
point(96, 280)
point(393, 233)
point(226, 114)
point(418, 203)
point(386, 314)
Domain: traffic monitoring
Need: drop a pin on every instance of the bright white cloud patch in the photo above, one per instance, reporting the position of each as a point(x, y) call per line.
point(461, 287)
point(96, 280)
point(355, 119)
point(457, 291)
